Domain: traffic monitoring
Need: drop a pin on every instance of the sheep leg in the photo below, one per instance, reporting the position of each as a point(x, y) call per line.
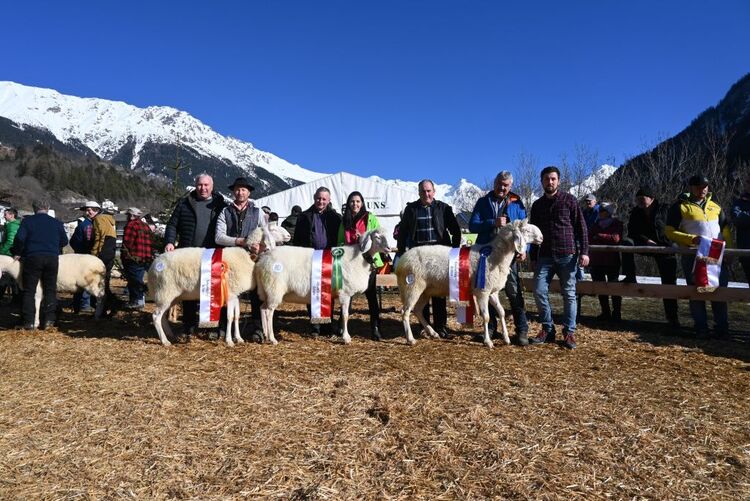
point(158, 317)
point(495, 300)
point(238, 334)
point(408, 300)
point(37, 304)
point(345, 300)
point(427, 329)
point(484, 310)
point(230, 320)
point(266, 316)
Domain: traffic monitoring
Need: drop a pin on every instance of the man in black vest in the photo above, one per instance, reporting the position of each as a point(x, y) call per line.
point(193, 224)
point(429, 222)
point(233, 226)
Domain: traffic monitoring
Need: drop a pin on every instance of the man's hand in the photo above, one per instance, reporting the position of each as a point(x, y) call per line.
point(521, 256)
point(651, 243)
point(16, 258)
point(696, 240)
point(254, 248)
point(501, 221)
point(169, 248)
point(240, 242)
point(583, 260)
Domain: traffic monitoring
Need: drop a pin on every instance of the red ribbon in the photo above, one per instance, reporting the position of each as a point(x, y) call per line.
point(700, 273)
point(714, 252)
point(464, 282)
point(326, 298)
point(218, 284)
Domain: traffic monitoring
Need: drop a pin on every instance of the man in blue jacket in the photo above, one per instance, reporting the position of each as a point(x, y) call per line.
point(38, 245)
point(82, 242)
point(491, 212)
point(741, 221)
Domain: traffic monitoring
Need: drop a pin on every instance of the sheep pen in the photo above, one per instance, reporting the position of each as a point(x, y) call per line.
point(101, 410)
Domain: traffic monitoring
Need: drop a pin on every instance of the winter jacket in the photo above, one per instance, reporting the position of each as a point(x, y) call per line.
point(137, 246)
point(39, 235)
point(349, 238)
point(180, 229)
point(591, 215)
point(229, 228)
point(105, 237)
point(83, 237)
point(11, 228)
point(599, 235)
point(686, 220)
point(741, 220)
point(643, 226)
point(303, 232)
point(289, 224)
point(443, 220)
point(482, 220)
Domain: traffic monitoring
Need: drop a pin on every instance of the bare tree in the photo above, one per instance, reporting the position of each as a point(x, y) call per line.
point(526, 180)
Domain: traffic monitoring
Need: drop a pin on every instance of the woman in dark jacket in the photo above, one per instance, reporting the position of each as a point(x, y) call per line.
point(605, 266)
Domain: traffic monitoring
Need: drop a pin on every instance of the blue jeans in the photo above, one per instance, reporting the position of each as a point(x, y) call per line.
point(566, 268)
point(698, 308)
point(134, 275)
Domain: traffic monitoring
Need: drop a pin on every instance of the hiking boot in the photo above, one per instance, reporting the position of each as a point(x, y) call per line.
point(543, 337)
point(570, 340)
point(215, 335)
point(444, 333)
point(630, 279)
point(523, 339)
point(375, 334)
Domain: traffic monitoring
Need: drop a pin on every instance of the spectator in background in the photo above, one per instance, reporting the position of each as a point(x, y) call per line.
point(741, 220)
point(235, 223)
point(38, 244)
point(564, 249)
point(6, 244)
point(193, 224)
point(646, 226)
point(692, 216)
point(605, 266)
point(136, 255)
point(428, 221)
point(81, 242)
point(105, 248)
point(356, 222)
point(291, 221)
point(318, 227)
point(590, 209)
point(491, 212)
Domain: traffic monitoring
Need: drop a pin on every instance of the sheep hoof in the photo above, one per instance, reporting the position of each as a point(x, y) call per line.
point(411, 342)
point(489, 344)
point(347, 339)
point(230, 344)
point(166, 343)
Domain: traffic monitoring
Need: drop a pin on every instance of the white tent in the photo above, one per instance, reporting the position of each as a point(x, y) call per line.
point(384, 200)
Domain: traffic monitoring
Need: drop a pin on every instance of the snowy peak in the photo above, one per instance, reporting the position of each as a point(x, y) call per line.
point(106, 127)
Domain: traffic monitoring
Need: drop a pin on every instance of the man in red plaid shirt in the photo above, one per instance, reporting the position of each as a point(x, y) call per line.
point(136, 255)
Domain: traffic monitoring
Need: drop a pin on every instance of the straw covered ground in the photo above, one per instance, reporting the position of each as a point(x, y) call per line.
point(101, 409)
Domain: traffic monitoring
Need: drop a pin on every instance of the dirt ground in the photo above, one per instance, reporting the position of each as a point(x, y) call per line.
point(99, 409)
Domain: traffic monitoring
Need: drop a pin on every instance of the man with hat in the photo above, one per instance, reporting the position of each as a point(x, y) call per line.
point(193, 224)
point(81, 242)
point(590, 210)
point(234, 224)
point(136, 255)
point(646, 227)
point(692, 216)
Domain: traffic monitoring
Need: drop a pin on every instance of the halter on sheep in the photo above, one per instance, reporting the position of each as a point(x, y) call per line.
point(423, 272)
point(283, 275)
point(175, 276)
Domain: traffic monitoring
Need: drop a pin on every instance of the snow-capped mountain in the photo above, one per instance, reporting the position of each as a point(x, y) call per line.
point(593, 181)
point(118, 131)
point(151, 139)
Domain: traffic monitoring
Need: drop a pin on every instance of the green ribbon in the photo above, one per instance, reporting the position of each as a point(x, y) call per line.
point(337, 277)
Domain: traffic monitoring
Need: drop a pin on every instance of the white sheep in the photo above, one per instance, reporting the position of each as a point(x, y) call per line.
point(75, 272)
point(175, 276)
point(423, 273)
point(283, 275)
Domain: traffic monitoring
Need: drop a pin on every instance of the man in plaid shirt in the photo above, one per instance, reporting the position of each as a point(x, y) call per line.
point(136, 254)
point(565, 247)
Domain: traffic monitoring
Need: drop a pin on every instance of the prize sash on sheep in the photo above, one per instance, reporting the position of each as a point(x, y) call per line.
point(707, 265)
point(213, 287)
point(459, 283)
point(321, 294)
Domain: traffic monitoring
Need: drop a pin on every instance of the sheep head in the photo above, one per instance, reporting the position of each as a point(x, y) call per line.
point(525, 233)
point(373, 242)
point(269, 235)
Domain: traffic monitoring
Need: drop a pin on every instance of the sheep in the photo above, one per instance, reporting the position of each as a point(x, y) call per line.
point(175, 276)
point(74, 272)
point(283, 275)
point(422, 272)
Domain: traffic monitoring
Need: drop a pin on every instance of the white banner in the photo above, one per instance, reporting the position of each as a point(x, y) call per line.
point(205, 287)
point(453, 257)
point(316, 275)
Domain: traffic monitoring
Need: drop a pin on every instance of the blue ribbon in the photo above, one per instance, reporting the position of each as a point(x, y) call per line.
point(482, 267)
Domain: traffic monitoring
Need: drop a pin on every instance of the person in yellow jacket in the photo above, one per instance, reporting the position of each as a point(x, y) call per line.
point(356, 222)
point(105, 247)
point(692, 216)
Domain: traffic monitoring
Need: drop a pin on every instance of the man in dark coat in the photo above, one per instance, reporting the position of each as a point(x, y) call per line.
point(318, 227)
point(429, 222)
point(193, 224)
point(290, 223)
point(38, 246)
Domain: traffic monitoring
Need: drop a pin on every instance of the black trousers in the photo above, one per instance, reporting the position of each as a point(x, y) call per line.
point(36, 268)
point(745, 262)
point(607, 274)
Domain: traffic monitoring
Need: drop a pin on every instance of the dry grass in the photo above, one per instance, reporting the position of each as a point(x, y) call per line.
point(100, 409)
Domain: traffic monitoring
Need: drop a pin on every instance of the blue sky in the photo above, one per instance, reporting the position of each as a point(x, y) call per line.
point(402, 89)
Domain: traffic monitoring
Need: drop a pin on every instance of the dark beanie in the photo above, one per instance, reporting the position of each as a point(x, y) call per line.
point(645, 192)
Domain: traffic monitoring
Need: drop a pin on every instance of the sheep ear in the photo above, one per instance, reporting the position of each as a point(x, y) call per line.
point(269, 238)
point(366, 243)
